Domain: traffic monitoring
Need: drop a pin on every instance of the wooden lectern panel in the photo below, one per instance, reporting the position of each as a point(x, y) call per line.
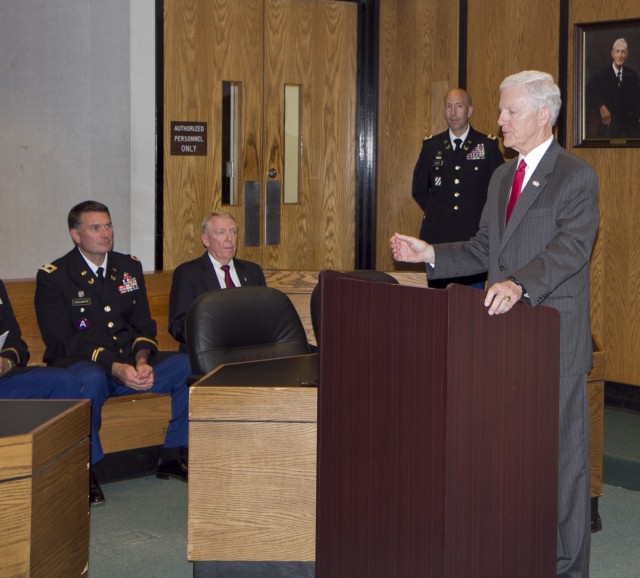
point(437, 451)
point(44, 482)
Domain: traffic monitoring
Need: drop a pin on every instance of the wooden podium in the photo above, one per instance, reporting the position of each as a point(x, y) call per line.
point(437, 434)
point(44, 484)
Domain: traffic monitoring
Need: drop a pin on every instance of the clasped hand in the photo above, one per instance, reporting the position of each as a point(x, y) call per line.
point(139, 377)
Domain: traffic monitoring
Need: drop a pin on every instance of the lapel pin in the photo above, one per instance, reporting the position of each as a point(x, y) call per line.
point(535, 183)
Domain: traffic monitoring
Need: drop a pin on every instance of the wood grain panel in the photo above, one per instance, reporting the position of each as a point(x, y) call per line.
point(206, 43)
point(44, 508)
point(312, 44)
point(15, 521)
point(158, 288)
point(615, 266)
point(59, 434)
point(596, 445)
point(418, 62)
point(60, 516)
point(134, 421)
point(253, 404)
point(252, 494)
point(504, 38)
point(16, 456)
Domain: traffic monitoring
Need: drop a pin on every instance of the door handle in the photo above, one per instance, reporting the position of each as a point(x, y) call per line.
point(273, 173)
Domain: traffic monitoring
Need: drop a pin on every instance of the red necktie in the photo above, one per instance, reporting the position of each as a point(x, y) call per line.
point(227, 277)
point(516, 187)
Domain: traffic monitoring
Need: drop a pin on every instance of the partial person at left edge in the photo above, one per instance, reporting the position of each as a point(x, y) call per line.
point(216, 269)
point(94, 317)
point(17, 381)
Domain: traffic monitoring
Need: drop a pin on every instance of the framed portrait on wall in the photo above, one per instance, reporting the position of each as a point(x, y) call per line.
point(607, 81)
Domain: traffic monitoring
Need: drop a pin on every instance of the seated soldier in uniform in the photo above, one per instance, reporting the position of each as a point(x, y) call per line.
point(94, 317)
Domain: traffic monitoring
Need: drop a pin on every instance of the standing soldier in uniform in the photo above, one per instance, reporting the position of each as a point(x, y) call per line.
point(92, 306)
point(451, 177)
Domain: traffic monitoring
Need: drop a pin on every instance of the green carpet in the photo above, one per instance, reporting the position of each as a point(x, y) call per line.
point(141, 531)
point(621, 463)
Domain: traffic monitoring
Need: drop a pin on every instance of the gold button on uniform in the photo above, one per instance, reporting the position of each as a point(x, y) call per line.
point(456, 181)
point(455, 207)
point(110, 324)
point(107, 309)
point(456, 194)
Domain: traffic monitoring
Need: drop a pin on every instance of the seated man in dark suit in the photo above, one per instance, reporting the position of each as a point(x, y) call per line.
point(215, 269)
point(20, 382)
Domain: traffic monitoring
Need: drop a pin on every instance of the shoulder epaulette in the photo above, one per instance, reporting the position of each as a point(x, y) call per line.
point(492, 136)
point(48, 268)
point(428, 137)
point(134, 257)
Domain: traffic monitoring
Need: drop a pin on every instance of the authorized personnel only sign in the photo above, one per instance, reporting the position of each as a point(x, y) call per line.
point(188, 138)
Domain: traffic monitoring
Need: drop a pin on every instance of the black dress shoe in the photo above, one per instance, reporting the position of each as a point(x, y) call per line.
point(96, 496)
point(175, 468)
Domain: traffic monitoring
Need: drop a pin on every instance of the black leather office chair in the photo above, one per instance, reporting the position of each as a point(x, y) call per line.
point(314, 303)
point(242, 324)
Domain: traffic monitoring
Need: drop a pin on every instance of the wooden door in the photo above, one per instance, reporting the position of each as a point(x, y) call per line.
point(250, 53)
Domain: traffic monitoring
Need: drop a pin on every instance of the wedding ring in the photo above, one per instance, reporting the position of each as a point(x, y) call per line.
point(507, 298)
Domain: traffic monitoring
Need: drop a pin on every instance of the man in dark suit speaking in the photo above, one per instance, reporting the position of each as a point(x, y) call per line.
point(535, 239)
point(215, 269)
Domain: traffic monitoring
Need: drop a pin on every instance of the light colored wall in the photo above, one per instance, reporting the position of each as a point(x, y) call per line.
point(77, 94)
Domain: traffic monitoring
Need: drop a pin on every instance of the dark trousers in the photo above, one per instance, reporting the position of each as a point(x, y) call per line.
point(170, 372)
point(40, 383)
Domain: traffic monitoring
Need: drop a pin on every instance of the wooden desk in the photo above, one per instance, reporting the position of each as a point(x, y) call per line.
point(44, 482)
point(252, 462)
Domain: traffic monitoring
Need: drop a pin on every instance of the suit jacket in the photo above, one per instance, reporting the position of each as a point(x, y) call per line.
point(192, 279)
point(451, 186)
point(14, 347)
point(622, 101)
point(80, 320)
point(547, 245)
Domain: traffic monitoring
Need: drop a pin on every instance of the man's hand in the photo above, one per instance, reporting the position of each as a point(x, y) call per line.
point(605, 115)
point(501, 297)
point(411, 250)
point(139, 377)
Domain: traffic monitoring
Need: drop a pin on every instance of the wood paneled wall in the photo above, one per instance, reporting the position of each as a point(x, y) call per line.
point(504, 38)
point(615, 283)
point(419, 61)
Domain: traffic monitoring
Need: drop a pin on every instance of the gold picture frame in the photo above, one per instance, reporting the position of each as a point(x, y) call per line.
point(607, 107)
